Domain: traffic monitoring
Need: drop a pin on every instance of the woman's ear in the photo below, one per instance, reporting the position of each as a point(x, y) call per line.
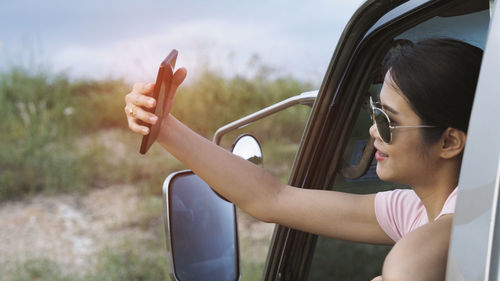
point(452, 143)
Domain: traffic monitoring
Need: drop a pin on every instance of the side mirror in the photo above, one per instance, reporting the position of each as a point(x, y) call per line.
point(200, 229)
point(247, 147)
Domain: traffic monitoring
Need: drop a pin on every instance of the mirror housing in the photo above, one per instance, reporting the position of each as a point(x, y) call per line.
point(200, 231)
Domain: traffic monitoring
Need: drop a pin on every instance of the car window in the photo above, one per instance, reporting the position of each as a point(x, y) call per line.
point(340, 260)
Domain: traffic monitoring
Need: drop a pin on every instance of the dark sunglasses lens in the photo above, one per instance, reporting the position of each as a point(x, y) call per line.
point(382, 125)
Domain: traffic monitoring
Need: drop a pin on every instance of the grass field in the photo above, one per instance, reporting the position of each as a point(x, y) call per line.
point(68, 139)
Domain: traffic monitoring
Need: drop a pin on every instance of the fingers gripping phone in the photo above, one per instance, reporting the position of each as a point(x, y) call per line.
point(164, 98)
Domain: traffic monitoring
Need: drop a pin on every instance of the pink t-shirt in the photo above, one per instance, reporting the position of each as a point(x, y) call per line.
point(401, 211)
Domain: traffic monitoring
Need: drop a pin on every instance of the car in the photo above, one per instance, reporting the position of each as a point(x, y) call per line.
point(336, 153)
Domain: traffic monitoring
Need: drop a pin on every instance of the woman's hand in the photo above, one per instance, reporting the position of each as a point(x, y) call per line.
point(140, 98)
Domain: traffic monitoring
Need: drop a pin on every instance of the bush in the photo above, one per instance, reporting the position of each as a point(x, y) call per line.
point(98, 105)
point(47, 117)
point(212, 101)
point(44, 115)
point(33, 155)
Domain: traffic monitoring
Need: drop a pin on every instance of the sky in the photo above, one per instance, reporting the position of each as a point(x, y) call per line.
point(128, 39)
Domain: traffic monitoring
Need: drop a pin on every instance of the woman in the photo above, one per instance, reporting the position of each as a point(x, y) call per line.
point(420, 128)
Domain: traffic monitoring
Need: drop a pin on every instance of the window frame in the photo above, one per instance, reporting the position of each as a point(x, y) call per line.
point(360, 47)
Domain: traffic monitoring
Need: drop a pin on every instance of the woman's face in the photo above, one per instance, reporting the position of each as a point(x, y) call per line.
point(406, 158)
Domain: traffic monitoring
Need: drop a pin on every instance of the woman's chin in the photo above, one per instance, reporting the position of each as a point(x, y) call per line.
point(389, 176)
point(382, 173)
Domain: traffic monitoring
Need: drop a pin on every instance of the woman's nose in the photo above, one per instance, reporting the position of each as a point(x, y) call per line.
point(374, 132)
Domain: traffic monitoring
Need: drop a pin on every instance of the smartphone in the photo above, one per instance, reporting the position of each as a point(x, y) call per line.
point(163, 97)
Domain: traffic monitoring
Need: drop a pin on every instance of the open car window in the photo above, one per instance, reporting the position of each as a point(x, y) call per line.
point(339, 260)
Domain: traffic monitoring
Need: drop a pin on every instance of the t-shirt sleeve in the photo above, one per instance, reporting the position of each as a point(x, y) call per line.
point(396, 211)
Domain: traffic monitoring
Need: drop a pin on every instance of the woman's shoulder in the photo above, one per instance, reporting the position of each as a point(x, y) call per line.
point(421, 253)
point(399, 196)
point(398, 212)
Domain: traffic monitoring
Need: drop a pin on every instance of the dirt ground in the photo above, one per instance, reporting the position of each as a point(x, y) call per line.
point(66, 228)
point(70, 229)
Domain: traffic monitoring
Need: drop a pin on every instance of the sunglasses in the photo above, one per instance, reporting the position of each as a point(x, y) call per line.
point(383, 123)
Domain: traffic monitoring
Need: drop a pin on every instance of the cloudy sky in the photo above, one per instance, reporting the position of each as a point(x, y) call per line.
point(126, 38)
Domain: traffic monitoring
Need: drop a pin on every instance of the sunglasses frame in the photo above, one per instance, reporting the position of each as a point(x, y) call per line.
point(373, 107)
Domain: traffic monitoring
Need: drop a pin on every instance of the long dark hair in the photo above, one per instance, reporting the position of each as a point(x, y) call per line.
point(438, 77)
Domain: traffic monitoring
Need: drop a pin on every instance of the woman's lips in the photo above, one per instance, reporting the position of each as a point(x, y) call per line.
point(380, 156)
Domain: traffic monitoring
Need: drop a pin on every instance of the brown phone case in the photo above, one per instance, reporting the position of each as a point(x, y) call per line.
point(163, 101)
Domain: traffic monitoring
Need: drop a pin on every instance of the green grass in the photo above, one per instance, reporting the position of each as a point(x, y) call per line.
point(65, 136)
point(253, 257)
point(40, 269)
point(129, 263)
point(125, 262)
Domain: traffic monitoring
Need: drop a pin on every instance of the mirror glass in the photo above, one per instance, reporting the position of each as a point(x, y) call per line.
point(203, 233)
point(248, 148)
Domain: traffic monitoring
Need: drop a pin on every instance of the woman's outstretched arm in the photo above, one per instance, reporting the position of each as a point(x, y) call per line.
point(253, 189)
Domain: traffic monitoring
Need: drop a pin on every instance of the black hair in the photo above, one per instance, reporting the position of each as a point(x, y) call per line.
point(438, 77)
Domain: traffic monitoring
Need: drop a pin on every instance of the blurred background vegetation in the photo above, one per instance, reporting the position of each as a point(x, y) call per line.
point(65, 136)
point(54, 130)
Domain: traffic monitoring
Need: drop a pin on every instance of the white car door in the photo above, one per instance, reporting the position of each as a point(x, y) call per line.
point(475, 242)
